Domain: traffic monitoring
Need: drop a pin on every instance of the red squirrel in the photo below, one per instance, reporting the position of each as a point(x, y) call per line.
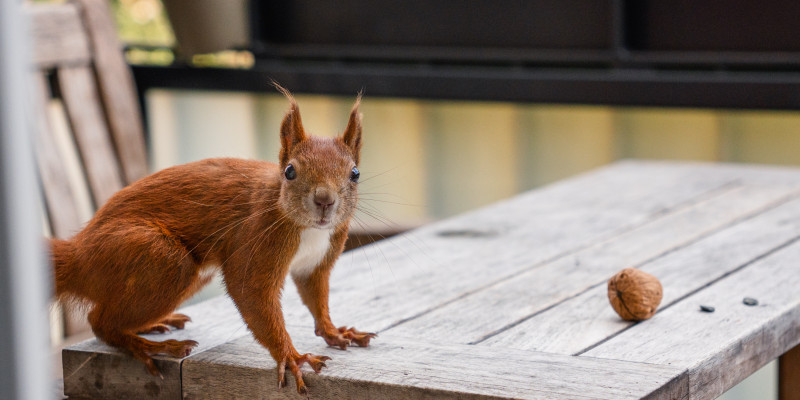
point(150, 246)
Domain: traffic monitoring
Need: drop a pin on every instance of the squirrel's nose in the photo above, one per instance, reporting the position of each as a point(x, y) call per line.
point(323, 198)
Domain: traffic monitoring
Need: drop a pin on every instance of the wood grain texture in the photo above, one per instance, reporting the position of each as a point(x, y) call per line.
point(397, 368)
point(120, 376)
point(789, 375)
point(62, 210)
point(480, 314)
point(720, 349)
point(117, 89)
point(588, 319)
point(105, 374)
point(81, 101)
point(57, 35)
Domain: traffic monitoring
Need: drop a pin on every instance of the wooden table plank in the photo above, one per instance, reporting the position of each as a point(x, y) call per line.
point(398, 368)
point(588, 319)
point(721, 348)
point(94, 370)
point(482, 314)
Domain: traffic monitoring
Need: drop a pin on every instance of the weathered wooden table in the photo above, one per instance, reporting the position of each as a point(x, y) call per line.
point(509, 301)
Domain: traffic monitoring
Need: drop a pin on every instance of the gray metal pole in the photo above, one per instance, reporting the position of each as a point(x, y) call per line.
point(24, 348)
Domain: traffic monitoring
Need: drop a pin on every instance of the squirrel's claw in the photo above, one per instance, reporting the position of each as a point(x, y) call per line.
point(281, 375)
point(179, 348)
point(295, 370)
point(151, 367)
point(360, 338)
point(294, 363)
point(345, 336)
point(315, 362)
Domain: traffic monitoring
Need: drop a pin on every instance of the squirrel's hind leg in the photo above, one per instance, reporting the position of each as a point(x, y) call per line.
point(140, 348)
point(144, 295)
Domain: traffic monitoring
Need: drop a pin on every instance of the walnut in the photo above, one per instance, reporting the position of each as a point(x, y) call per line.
point(634, 294)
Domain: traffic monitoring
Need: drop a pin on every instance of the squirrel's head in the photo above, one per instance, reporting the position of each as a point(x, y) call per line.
point(319, 185)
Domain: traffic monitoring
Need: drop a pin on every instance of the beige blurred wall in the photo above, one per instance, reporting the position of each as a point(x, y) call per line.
point(555, 142)
point(761, 137)
point(668, 134)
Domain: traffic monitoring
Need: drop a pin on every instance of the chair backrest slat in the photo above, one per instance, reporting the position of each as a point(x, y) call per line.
point(117, 89)
point(82, 103)
point(59, 198)
point(57, 35)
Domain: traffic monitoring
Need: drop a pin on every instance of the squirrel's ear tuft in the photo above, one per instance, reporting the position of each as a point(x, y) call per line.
point(292, 131)
point(352, 133)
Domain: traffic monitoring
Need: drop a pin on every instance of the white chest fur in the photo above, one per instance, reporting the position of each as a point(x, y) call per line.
point(314, 245)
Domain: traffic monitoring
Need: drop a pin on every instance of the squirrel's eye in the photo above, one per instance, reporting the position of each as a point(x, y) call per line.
point(354, 174)
point(289, 172)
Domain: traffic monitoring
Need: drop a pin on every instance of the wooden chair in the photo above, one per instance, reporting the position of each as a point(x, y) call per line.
point(89, 139)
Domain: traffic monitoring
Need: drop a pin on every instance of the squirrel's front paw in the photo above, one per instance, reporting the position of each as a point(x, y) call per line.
point(294, 363)
point(344, 337)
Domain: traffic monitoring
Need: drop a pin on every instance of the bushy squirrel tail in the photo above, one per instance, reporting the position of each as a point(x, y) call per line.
point(62, 256)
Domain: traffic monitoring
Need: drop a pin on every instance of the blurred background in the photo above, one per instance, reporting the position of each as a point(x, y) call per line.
point(463, 116)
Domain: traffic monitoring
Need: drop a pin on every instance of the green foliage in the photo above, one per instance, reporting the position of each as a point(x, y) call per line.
point(143, 23)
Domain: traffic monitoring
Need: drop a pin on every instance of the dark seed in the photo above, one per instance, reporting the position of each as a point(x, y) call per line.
point(750, 301)
point(707, 308)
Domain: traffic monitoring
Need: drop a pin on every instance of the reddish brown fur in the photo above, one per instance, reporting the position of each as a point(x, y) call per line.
point(142, 253)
